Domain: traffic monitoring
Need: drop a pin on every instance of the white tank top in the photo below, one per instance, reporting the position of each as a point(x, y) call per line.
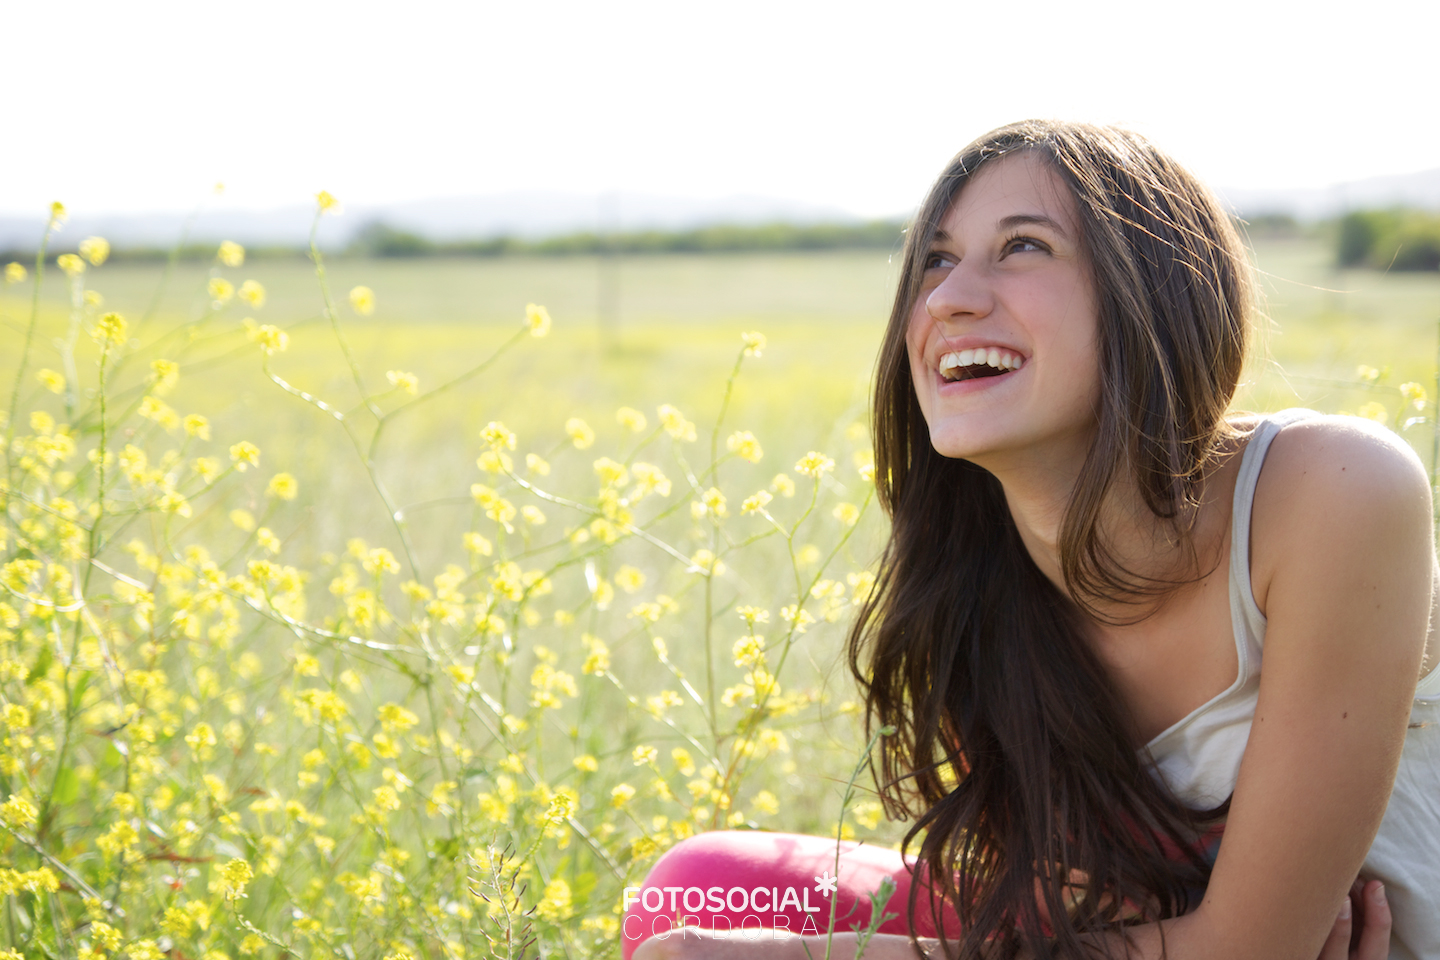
point(1199, 757)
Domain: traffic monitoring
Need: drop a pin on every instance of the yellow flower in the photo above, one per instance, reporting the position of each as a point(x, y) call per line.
point(532, 515)
point(396, 719)
point(621, 794)
point(18, 812)
point(799, 618)
point(476, 543)
point(611, 474)
point(644, 755)
point(164, 374)
point(1367, 373)
point(867, 814)
point(714, 501)
point(271, 338)
point(362, 300)
point(743, 444)
point(201, 740)
point(631, 419)
point(233, 878)
point(586, 764)
point(152, 408)
point(579, 433)
point(494, 461)
point(283, 486)
point(109, 330)
point(555, 905)
point(1373, 411)
point(676, 425)
point(403, 380)
point(748, 650)
point(252, 293)
point(221, 290)
point(326, 202)
point(537, 320)
point(629, 579)
point(813, 464)
point(244, 455)
point(243, 519)
point(707, 563)
point(863, 583)
point(231, 254)
point(536, 464)
point(649, 479)
point(95, 249)
point(765, 802)
point(71, 264)
point(498, 436)
point(197, 426)
point(15, 273)
point(1413, 393)
point(755, 502)
point(754, 343)
point(661, 703)
point(847, 514)
point(52, 381)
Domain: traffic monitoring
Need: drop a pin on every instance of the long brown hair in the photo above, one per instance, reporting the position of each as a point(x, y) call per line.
point(1037, 818)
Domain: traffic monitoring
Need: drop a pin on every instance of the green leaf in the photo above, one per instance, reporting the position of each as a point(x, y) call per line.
point(42, 665)
point(67, 787)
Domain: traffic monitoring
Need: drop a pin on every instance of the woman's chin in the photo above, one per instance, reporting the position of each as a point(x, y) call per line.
point(962, 445)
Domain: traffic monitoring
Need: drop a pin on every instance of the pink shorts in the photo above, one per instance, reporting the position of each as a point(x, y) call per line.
point(752, 883)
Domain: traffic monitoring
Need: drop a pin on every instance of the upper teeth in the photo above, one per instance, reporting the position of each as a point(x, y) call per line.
point(993, 356)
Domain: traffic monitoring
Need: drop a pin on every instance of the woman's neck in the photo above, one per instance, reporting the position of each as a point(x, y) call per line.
point(1039, 491)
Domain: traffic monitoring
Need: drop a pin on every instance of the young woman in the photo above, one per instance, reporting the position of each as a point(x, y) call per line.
point(1154, 670)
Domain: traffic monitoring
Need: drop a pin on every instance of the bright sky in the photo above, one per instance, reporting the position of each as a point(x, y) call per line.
point(143, 106)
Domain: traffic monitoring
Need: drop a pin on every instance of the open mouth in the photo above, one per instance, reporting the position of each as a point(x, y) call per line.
point(978, 363)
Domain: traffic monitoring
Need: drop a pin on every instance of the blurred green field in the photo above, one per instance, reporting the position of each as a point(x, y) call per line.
point(678, 320)
point(671, 339)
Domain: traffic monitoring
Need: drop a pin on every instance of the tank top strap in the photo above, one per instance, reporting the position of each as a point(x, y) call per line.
point(1244, 609)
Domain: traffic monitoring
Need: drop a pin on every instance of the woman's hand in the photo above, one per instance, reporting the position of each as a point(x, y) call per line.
point(1361, 932)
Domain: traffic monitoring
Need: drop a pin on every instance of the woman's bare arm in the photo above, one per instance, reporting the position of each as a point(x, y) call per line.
point(1345, 562)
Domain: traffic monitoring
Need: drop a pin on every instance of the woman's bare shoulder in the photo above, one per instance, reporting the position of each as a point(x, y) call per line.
point(1328, 479)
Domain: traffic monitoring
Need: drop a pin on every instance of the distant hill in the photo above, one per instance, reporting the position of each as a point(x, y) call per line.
point(540, 216)
point(1416, 190)
point(528, 216)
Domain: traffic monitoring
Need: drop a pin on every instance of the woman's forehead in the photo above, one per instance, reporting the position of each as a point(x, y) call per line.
point(1013, 190)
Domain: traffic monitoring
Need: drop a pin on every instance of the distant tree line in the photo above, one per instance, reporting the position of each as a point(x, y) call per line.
point(378, 239)
point(381, 240)
point(1395, 239)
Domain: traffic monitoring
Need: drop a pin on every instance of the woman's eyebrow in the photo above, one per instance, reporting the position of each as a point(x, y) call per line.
point(1029, 219)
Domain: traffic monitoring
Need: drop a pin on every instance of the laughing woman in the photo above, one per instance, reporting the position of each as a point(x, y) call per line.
point(1153, 667)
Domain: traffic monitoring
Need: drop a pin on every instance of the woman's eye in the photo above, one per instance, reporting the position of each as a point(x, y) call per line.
point(1023, 245)
point(937, 260)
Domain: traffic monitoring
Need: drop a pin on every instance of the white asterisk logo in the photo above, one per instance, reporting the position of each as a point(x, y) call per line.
point(826, 884)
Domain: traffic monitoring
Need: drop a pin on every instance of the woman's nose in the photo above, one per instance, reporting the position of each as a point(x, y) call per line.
point(964, 294)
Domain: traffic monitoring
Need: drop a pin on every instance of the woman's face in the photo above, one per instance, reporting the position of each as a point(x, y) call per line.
point(1003, 336)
